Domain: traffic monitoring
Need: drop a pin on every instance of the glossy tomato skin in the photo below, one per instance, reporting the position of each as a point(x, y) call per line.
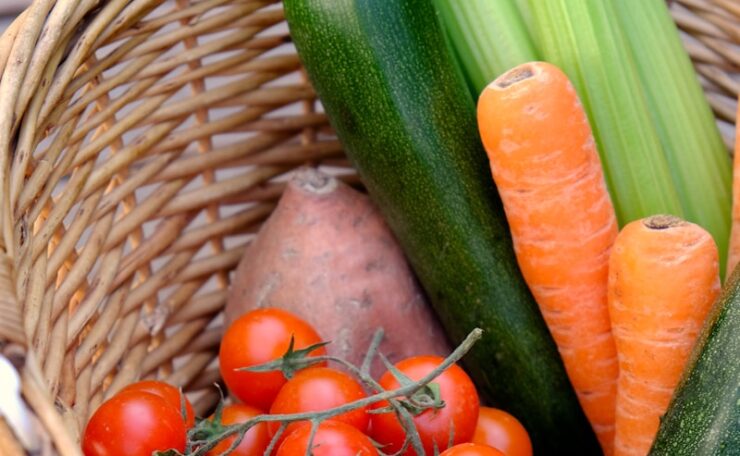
point(134, 423)
point(472, 449)
point(255, 441)
point(333, 438)
point(460, 412)
point(169, 393)
point(501, 430)
point(320, 388)
point(257, 337)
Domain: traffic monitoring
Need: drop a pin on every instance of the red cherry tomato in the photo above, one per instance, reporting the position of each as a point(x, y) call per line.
point(320, 388)
point(257, 337)
point(472, 449)
point(333, 438)
point(501, 430)
point(458, 417)
point(167, 392)
point(255, 441)
point(134, 423)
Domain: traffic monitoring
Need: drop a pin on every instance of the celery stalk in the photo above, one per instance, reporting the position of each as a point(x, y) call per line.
point(523, 7)
point(489, 37)
point(660, 147)
point(584, 39)
point(696, 154)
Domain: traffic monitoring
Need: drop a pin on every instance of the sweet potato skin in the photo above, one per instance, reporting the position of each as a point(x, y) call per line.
point(327, 255)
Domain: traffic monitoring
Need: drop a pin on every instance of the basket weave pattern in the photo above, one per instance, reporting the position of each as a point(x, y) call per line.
point(142, 143)
point(145, 142)
point(711, 33)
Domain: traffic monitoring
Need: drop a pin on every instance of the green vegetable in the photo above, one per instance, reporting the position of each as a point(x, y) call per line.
point(703, 417)
point(401, 109)
point(692, 143)
point(659, 145)
point(489, 38)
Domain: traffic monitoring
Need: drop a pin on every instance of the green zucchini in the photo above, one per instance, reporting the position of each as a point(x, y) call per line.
point(703, 417)
point(406, 119)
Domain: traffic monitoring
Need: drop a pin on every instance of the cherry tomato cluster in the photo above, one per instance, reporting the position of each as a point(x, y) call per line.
point(446, 414)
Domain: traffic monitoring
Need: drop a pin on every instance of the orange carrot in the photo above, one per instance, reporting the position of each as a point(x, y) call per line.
point(663, 278)
point(547, 170)
point(733, 255)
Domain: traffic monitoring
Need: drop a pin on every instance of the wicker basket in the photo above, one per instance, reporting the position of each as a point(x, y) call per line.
point(142, 143)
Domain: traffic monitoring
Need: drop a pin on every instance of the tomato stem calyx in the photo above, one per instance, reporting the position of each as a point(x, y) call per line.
point(291, 362)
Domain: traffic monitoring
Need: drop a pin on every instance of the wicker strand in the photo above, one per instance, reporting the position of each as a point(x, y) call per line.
point(9, 36)
point(11, 323)
point(8, 443)
point(10, 85)
point(34, 390)
point(28, 133)
point(34, 302)
point(47, 44)
point(711, 34)
point(195, 369)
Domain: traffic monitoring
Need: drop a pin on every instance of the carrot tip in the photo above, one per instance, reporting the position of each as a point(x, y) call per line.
point(662, 222)
point(514, 75)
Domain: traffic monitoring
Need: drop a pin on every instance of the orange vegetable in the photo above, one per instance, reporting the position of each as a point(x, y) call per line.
point(547, 170)
point(733, 255)
point(255, 440)
point(663, 278)
point(472, 449)
point(501, 430)
point(327, 255)
point(169, 393)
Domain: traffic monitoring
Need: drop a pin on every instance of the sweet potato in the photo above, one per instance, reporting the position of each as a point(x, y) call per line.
point(327, 255)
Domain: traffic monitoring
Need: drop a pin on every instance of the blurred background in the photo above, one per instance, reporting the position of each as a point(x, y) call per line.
point(9, 9)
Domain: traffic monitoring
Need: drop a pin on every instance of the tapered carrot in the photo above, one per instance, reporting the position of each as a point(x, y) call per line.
point(547, 170)
point(663, 278)
point(733, 255)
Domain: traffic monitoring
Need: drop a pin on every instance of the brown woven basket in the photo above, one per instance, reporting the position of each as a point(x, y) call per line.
point(142, 143)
